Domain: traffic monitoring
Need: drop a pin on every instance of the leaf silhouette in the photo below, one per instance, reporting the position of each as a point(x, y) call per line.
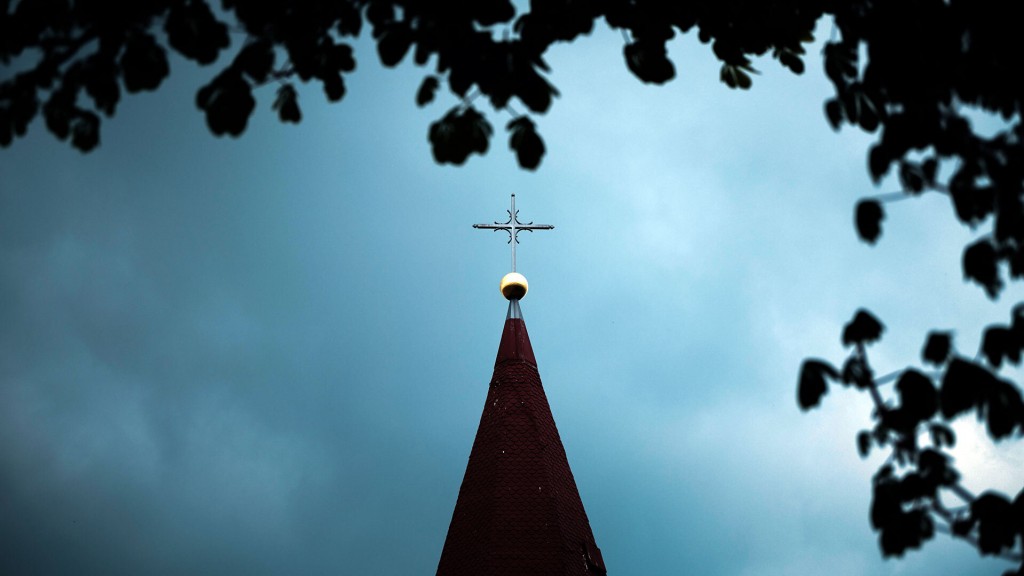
point(869, 216)
point(526, 143)
point(937, 348)
point(812, 382)
point(863, 329)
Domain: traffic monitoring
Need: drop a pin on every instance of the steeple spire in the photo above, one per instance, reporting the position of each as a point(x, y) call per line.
point(518, 512)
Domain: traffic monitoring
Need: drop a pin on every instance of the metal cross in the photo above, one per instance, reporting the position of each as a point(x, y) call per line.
point(513, 226)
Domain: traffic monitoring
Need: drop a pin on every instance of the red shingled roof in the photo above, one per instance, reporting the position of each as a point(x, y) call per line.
point(519, 512)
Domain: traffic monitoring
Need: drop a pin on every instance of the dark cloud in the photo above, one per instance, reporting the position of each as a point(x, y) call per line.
point(269, 355)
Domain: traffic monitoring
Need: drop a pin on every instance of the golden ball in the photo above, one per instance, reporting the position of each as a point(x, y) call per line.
point(514, 286)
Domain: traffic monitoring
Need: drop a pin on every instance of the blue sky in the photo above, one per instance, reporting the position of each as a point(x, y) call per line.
point(269, 355)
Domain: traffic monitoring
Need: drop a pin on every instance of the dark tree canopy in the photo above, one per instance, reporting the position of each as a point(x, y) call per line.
point(914, 72)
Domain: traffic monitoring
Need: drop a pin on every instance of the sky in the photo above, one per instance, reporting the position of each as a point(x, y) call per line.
point(269, 355)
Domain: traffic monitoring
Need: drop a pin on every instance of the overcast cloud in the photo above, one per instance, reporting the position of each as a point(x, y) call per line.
point(269, 355)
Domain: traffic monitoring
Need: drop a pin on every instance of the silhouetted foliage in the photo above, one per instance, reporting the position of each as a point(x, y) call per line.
point(912, 72)
point(907, 507)
point(485, 48)
point(928, 65)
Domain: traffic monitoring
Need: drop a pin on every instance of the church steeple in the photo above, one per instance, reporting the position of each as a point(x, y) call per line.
point(519, 512)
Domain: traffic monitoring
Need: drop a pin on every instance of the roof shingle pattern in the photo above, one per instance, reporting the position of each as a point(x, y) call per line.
point(518, 512)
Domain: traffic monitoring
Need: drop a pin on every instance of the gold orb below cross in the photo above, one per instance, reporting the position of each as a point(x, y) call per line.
point(514, 286)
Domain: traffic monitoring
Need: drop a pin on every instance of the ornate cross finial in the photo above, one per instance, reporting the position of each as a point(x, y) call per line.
point(513, 226)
